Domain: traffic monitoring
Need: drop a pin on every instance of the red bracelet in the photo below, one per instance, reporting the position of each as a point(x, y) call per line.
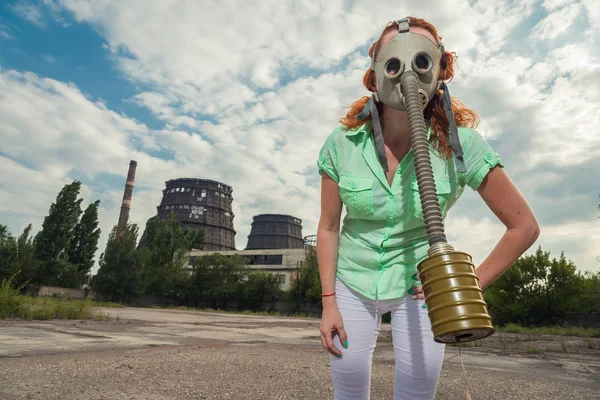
point(328, 295)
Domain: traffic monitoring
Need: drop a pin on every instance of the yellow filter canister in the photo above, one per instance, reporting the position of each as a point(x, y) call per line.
point(457, 310)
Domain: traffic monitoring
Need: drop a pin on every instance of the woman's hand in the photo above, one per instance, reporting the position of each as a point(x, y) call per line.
point(331, 325)
point(417, 293)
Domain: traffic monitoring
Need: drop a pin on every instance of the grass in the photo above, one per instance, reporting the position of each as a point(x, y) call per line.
point(563, 346)
point(15, 305)
point(552, 330)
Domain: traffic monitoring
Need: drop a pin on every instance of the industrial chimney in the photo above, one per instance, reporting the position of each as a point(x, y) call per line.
point(126, 205)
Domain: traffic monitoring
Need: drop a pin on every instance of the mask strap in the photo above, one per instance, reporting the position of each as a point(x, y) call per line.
point(403, 25)
point(371, 108)
point(454, 139)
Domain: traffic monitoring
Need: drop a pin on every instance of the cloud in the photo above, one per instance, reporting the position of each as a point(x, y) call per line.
point(49, 114)
point(593, 12)
point(49, 58)
point(552, 5)
point(248, 94)
point(556, 23)
point(211, 58)
point(497, 19)
point(30, 12)
point(5, 32)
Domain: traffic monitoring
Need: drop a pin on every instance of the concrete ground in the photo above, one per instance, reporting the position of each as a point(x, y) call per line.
point(172, 354)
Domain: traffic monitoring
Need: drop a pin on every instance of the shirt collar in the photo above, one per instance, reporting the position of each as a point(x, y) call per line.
point(361, 130)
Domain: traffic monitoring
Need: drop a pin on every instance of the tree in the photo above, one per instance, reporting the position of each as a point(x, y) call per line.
point(8, 253)
point(589, 299)
point(164, 247)
point(215, 279)
point(83, 244)
point(259, 289)
point(53, 240)
point(4, 233)
point(535, 290)
point(308, 287)
point(17, 256)
point(563, 289)
point(121, 266)
point(27, 263)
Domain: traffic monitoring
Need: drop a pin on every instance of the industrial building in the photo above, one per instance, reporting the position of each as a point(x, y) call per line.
point(285, 263)
point(127, 195)
point(275, 231)
point(275, 245)
point(201, 204)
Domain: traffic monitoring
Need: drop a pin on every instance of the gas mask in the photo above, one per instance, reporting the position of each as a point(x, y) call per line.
point(407, 54)
point(407, 51)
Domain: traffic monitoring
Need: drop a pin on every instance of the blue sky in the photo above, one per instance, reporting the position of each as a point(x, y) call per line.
point(246, 94)
point(72, 53)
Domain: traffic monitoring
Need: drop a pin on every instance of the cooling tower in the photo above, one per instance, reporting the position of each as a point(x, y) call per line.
point(275, 231)
point(201, 204)
point(310, 240)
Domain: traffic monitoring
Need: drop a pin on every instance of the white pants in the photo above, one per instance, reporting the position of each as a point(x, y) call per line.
point(418, 357)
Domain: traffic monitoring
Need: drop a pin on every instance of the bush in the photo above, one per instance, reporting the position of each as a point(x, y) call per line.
point(12, 303)
point(15, 305)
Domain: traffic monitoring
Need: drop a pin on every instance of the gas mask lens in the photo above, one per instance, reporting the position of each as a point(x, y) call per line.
point(422, 63)
point(393, 67)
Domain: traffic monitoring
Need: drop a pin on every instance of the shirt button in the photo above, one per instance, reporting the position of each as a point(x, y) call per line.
point(391, 195)
point(353, 185)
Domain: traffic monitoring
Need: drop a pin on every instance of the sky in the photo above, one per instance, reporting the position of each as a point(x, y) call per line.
point(246, 92)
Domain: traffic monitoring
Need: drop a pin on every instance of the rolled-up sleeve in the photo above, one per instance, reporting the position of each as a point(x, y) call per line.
point(479, 158)
point(327, 160)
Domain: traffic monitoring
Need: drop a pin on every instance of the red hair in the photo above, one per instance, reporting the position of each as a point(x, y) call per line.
point(434, 111)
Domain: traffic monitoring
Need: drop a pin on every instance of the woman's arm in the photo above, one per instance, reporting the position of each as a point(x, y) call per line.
point(327, 251)
point(522, 230)
point(328, 235)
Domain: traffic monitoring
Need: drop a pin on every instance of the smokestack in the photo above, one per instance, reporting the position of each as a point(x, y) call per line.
point(126, 205)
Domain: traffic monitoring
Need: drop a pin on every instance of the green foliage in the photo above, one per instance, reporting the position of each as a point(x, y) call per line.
point(83, 245)
point(589, 299)
point(15, 305)
point(215, 279)
point(52, 242)
point(65, 246)
point(260, 289)
point(552, 330)
point(17, 255)
point(12, 304)
point(537, 290)
point(308, 287)
point(8, 253)
point(164, 247)
point(121, 265)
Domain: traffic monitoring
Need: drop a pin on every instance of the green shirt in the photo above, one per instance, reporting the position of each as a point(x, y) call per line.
point(383, 238)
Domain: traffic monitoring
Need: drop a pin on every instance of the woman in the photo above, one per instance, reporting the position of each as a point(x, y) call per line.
point(369, 267)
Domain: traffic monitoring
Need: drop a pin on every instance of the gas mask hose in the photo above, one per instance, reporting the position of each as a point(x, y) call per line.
point(432, 215)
